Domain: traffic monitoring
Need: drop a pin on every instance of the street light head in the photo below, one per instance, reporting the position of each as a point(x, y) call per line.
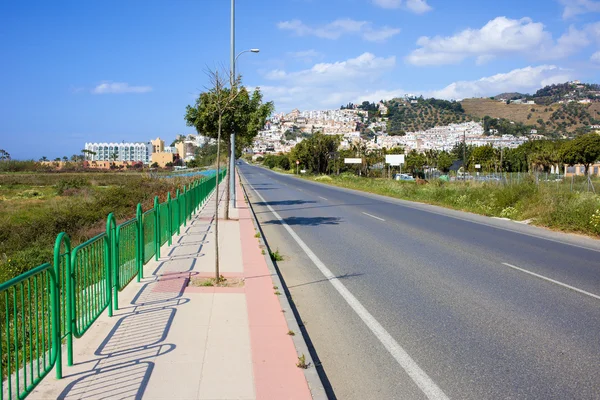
point(255, 50)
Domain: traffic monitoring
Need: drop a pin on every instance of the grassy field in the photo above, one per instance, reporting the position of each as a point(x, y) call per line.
point(519, 112)
point(548, 204)
point(34, 208)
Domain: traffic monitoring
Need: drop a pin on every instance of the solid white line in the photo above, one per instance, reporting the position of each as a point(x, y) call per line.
point(372, 216)
point(421, 379)
point(553, 281)
point(321, 197)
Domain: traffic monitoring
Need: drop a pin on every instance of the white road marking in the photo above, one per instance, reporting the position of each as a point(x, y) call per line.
point(553, 281)
point(321, 197)
point(372, 216)
point(421, 379)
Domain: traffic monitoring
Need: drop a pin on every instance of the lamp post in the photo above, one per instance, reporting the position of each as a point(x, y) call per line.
point(232, 150)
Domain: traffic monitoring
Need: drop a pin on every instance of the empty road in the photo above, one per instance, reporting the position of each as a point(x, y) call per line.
point(409, 301)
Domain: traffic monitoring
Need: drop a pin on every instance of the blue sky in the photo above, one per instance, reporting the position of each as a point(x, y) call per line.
point(77, 71)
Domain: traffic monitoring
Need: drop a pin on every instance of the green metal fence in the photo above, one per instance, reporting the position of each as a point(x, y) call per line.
point(28, 331)
point(51, 303)
point(148, 229)
point(127, 252)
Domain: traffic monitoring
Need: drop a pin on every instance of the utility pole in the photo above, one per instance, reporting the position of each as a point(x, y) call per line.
point(464, 154)
point(232, 137)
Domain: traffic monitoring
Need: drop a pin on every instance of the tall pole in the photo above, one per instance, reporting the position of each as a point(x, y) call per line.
point(464, 154)
point(232, 138)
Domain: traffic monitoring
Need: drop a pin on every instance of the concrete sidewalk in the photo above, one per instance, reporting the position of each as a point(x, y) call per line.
point(172, 340)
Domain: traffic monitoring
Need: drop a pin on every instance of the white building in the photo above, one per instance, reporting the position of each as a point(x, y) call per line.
point(119, 151)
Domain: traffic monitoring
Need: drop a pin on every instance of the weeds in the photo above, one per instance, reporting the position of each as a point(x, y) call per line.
point(276, 256)
point(257, 235)
point(291, 333)
point(549, 204)
point(302, 362)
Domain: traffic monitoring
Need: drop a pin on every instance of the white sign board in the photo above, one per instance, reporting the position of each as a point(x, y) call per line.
point(302, 171)
point(394, 159)
point(478, 166)
point(353, 161)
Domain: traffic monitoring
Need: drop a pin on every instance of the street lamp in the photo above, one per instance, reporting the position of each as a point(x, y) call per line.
point(232, 150)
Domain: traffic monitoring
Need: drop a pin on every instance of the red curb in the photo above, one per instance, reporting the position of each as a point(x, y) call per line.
point(274, 356)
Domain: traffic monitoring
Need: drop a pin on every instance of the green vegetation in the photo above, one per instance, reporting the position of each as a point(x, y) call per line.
point(549, 204)
point(425, 114)
point(276, 256)
point(34, 208)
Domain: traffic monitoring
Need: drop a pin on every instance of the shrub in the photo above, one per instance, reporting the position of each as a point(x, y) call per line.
point(71, 183)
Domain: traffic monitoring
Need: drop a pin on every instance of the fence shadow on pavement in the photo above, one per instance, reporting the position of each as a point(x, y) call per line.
point(125, 359)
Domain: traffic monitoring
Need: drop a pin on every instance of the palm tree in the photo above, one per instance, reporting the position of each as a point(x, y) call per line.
point(44, 159)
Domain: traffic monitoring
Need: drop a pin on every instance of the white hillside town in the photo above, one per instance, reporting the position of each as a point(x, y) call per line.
point(283, 131)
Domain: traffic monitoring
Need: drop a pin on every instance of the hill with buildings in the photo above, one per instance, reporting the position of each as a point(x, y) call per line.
point(419, 114)
point(555, 119)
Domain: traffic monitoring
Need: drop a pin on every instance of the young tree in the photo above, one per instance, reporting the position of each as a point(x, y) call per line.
point(245, 114)
point(4, 156)
point(213, 109)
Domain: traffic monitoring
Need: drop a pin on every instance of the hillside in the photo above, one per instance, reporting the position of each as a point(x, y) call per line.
point(561, 118)
point(422, 114)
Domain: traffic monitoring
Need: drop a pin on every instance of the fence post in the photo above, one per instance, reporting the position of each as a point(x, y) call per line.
point(140, 245)
point(169, 217)
point(185, 203)
point(66, 294)
point(178, 210)
point(156, 229)
point(112, 277)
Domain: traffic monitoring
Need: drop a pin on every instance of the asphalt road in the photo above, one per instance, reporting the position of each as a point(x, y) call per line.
point(432, 307)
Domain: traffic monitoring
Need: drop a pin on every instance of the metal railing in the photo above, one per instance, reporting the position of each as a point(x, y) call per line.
point(54, 303)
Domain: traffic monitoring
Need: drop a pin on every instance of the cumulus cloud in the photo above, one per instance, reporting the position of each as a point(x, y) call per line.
point(528, 79)
point(500, 36)
point(119, 87)
point(596, 57)
point(416, 6)
point(326, 84)
point(338, 28)
point(577, 7)
point(521, 80)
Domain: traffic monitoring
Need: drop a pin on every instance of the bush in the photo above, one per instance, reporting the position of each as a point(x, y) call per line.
point(71, 183)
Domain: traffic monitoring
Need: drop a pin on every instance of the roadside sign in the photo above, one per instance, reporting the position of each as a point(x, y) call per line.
point(302, 171)
point(394, 159)
point(478, 166)
point(297, 162)
point(353, 161)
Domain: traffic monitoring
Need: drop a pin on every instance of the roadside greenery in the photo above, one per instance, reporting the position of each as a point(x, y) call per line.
point(34, 208)
point(544, 203)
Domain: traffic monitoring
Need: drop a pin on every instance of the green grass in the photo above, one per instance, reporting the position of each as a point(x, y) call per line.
point(548, 204)
point(34, 208)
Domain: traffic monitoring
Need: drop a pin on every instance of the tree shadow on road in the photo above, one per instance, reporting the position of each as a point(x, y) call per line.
point(284, 203)
point(343, 276)
point(306, 221)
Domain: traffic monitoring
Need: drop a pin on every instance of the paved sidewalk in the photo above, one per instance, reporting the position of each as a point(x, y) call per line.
point(169, 340)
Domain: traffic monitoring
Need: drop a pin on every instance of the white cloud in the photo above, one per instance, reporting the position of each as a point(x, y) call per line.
point(119, 87)
point(416, 6)
point(519, 80)
point(528, 79)
point(577, 7)
point(596, 57)
point(305, 54)
point(500, 36)
point(326, 84)
point(340, 27)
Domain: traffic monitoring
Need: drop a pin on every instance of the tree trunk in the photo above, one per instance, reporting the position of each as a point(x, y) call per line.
point(227, 189)
point(217, 202)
